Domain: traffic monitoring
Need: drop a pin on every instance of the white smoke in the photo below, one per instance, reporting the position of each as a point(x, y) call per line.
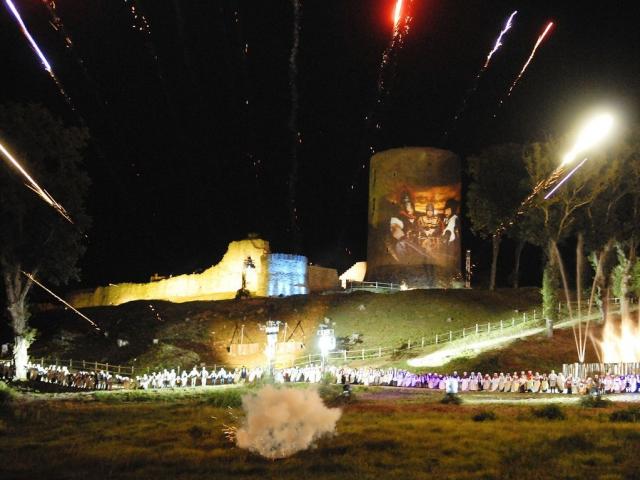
point(282, 421)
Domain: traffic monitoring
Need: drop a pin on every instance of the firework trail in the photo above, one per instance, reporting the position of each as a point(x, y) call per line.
point(401, 26)
point(476, 81)
point(33, 279)
point(293, 122)
point(567, 177)
point(533, 52)
point(45, 63)
point(33, 185)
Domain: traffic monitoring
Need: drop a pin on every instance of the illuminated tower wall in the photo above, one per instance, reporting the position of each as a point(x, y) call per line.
point(414, 218)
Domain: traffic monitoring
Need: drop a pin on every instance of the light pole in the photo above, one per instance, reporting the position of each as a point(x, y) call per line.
point(326, 341)
point(271, 329)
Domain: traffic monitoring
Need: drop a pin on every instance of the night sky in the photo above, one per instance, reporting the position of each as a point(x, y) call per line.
point(181, 165)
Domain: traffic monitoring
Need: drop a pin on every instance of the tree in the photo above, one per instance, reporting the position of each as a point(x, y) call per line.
point(554, 219)
point(494, 194)
point(34, 238)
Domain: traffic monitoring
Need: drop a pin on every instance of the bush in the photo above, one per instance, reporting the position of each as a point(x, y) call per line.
point(451, 399)
point(575, 442)
point(595, 401)
point(549, 412)
point(631, 414)
point(7, 396)
point(485, 415)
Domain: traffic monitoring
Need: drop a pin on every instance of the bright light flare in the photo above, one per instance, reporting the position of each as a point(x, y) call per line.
point(621, 344)
point(593, 132)
point(533, 52)
point(498, 43)
point(397, 14)
point(28, 36)
point(33, 185)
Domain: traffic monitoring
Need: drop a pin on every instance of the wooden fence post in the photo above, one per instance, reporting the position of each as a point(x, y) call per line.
point(462, 332)
point(344, 355)
point(409, 344)
point(501, 325)
point(534, 314)
point(96, 369)
point(363, 353)
point(488, 327)
point(450, 336)
point(380, 352)
point(513, 322)
point(436, 338)
point(476, 328)
point(422, 342)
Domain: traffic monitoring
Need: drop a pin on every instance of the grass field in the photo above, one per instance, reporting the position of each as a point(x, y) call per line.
point(190, 333)
point(384, 433)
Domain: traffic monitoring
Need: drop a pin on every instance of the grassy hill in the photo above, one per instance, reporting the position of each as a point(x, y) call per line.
point(195, 332)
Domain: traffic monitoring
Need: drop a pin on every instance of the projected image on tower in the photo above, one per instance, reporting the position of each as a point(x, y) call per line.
point(424, 230)
point(414, 217)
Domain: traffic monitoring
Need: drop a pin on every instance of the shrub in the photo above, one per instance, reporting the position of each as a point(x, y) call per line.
point(7, 396)
point(576, 442)
point(451, 399)
point(549, 412)
point(631, 414)
point(485, 415)
point(595, 401)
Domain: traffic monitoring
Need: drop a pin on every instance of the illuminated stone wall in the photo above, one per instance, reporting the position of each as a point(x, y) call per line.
point(322, 279)
point(219, 282)
point(356, 273)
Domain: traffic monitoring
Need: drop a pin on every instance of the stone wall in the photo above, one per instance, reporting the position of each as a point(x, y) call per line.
point(322, 279)
point(219, 282)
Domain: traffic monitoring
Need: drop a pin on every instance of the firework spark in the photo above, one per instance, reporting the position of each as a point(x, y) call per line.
point(139, 21)
point(33, 185)
point(533, 52)
point(34, 46)
point(498, 43)
point(33, 279)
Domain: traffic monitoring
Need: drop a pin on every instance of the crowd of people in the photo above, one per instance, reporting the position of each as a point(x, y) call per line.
point(62, 376)
point(523, 382)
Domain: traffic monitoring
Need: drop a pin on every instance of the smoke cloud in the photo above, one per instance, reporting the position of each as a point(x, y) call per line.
point(282, 421)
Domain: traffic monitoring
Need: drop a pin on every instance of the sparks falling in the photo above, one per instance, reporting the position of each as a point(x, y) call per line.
point(533, 52)
point(498, 43)
point(34, 46)
point(33, 185)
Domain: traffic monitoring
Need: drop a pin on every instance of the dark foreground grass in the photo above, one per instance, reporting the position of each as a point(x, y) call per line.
point(381, 435)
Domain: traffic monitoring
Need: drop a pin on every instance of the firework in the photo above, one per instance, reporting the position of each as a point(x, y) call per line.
point(476, 80)
point(559, 184)
point(33, 185)
point(498, 43)
point(34, 46)
point(33, 279)
point(397, 15)
point(533, 52)
point(293, 123)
